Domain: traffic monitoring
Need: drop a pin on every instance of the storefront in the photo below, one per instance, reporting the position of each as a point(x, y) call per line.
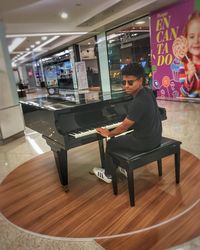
point(126, 44)
point(166, 44)
point(58, 70)
point(89, 55)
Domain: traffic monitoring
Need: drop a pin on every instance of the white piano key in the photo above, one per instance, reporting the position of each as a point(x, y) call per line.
point(93, 131)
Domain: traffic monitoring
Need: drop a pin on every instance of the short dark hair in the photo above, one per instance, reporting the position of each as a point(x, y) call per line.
point(133, 69)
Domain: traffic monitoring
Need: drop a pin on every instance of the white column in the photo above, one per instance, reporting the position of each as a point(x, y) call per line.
point(103, 63)
point(11, 118)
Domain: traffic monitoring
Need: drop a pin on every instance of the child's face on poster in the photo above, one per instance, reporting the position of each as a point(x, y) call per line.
point(194, 37)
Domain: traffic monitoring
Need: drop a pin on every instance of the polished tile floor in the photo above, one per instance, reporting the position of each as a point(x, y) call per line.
point(183, 124)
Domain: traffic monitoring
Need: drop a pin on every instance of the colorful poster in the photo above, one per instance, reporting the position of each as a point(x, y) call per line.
point(175, 44)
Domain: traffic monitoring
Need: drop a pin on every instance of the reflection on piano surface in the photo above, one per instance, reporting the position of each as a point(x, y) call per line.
point(67, 123)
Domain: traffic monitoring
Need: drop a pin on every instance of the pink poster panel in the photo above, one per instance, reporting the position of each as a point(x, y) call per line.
point(175, 45)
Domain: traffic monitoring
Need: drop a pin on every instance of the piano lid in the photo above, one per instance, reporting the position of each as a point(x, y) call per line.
point(73, 99)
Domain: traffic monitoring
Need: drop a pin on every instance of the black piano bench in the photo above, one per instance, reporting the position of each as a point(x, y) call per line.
point(131, 161)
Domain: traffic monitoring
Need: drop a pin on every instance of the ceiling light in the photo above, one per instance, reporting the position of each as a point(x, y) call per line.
point(51, 34)
point(44, 38)
point(47, 42)
point(32, 46)
point(140, 22)
point(37, 42)
point(63, 15)
point(27, 49)
point(37, 49)
point(16, 42)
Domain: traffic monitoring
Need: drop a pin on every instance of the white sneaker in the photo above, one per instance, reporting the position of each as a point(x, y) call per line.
point(100, 173)
point(123, 171)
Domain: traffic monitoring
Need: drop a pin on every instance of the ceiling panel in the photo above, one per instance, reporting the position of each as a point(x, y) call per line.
point(90, 16)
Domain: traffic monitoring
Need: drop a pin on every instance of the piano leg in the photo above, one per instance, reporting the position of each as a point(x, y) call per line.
point(102, 153)
point(62, 167)
point(60, 156)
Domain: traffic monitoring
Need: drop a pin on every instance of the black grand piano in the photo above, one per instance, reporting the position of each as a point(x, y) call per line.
point(70, 121)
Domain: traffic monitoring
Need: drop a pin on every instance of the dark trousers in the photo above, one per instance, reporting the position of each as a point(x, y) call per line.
point(126, 143)
point(123, 143)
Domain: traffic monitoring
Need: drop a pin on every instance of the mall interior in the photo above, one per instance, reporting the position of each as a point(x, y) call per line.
point(60, 75)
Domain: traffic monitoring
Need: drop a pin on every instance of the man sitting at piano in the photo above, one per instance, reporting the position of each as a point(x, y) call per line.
point(142, 115)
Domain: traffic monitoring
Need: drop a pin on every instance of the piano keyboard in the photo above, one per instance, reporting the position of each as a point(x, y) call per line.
point(93, 131)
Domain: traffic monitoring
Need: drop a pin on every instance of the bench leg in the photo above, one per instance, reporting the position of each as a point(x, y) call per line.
point(114, 177)
point(131, 187)
point(159, 162)
point(177, 166)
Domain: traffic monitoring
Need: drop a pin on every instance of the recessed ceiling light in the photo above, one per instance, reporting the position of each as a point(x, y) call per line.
point(63, 15)
point(32, 46)
point(44, 38)
point(37, 42)
point(27, 49)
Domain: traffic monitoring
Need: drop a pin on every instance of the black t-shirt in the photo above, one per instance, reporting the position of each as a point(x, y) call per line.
point(145, 113)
